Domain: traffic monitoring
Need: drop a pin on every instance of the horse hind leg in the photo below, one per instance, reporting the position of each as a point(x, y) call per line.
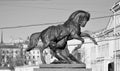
point(58, 52)
point(74, 59)
point(41, 53)
point(59, 56)
point(32, 44)
point(65, 58)
point(34, 38)
point(53, 47)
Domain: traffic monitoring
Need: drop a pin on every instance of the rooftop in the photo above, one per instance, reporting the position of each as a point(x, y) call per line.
point(8, 46)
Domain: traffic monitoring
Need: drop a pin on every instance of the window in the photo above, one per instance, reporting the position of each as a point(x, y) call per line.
point(37, 56)
point(12, 52)
point(38, 52)
point(7, 51)
point(29, 57)
point(16, 52)
point(118, 34)
point(25, 57)
point(3, 52)
point(33, 57)
point(34, 62)
point(33, 52)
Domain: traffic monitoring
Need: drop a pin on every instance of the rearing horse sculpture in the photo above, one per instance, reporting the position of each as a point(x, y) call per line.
point(56, 37)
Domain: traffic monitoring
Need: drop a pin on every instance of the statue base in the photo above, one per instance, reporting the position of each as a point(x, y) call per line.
point(62, 67)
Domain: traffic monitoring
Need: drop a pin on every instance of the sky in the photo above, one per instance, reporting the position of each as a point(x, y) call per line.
point(31, 12)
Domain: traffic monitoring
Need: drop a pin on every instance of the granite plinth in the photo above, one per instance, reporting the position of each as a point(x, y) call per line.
point(62, 67)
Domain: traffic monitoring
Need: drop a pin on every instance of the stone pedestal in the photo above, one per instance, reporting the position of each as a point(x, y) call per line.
point(62, 67)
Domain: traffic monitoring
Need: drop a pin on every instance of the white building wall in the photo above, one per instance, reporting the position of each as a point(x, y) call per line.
point(25, 68)
point(99, 56)
point(72, 44)
point(35, 56)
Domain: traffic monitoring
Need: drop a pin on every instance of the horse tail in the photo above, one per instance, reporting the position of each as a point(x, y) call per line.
point(33, 41)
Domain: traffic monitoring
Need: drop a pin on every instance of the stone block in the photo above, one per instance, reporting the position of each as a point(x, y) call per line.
point(62, 67)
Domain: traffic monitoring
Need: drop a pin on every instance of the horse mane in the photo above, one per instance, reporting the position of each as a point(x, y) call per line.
point(79, 14)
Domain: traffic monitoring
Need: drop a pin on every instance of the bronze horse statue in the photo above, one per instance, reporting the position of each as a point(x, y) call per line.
point(56, 37)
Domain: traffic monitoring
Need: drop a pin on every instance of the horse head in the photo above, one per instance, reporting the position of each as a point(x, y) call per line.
point(80, 17)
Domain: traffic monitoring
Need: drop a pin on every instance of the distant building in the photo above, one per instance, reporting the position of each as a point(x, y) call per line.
point(8, 51)
point(33, 57)
point(107, 51)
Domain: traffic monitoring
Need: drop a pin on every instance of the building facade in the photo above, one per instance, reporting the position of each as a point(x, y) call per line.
point(8, 52)
point(33, 57)
point(98, 57)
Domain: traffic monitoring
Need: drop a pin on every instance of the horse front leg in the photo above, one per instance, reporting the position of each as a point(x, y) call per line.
point(87, 35)
point(78, 38)
point(76, 48)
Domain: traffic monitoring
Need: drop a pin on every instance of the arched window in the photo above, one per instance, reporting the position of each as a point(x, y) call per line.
point(111, 66)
